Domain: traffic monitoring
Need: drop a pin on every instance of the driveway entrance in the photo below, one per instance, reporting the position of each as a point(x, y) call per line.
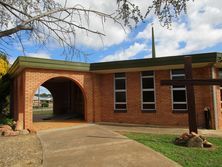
point(92, 145)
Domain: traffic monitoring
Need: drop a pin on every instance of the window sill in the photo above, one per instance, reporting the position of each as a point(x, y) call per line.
point(180, 111)
point(148, 111)
point(120, 111)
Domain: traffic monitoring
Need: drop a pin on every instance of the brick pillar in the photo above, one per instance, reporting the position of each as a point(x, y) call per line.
point(18, 93)
point(96, 98)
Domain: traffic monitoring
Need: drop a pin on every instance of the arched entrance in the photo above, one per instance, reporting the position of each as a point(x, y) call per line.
point(68, 98)
point(42, 105)
point(68, 101)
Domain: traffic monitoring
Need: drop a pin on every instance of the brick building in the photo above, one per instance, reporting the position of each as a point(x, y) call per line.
point(121, 91)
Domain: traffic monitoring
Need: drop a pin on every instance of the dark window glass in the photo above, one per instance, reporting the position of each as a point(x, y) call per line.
point(148, 96)
point(120, 96)
point(179, 106)
point(147, 83)
point(122, 74)
point(179, 96)
point(120, 84)
point(178, 77)
point(178, 71)
point(178, 86)
point(147, 73)
point(148, 106)
point(120, 106)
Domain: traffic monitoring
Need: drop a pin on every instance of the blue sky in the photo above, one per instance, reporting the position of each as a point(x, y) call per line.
point(199, 31)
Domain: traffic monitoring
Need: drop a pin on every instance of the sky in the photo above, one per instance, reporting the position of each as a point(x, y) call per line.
point(197, 32)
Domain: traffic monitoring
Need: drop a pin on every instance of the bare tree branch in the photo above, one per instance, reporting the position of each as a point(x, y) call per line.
point(14, 30)
point(46, 20)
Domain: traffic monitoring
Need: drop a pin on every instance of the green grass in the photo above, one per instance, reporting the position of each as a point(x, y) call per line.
point(187, 157)
point(43, 111)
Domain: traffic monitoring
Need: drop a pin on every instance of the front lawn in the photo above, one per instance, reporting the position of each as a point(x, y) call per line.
point(189, 157)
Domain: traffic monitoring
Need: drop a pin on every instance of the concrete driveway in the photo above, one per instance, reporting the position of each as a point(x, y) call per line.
point(92, 145)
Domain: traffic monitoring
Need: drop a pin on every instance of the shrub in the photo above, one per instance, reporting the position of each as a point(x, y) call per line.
point(4, 94)
point(7, 121)
point(4, 86)
point(45, 104)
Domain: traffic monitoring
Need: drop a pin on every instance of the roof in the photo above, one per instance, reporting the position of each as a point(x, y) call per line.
point(23, 62)
point(199, 60)
point(42, 98)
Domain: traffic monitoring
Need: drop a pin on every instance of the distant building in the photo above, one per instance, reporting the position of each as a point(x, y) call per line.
point(38, 101)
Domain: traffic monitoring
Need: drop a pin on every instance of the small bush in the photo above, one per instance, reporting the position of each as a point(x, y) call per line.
point(7, 121)
point(4, 94)
point(45, 104)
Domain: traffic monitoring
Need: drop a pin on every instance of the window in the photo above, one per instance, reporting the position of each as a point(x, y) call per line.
point(120, 92)
point(148, 90)
point(179, 95)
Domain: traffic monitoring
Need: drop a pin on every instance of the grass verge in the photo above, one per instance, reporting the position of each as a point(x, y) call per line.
point(187, 157)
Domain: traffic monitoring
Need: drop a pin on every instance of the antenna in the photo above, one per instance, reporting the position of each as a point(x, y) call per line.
point(153, 44)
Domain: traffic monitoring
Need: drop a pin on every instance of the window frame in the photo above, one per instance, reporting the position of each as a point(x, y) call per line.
point(120, 90)
point(178, 89)
point(220, 86)
point(148, 90)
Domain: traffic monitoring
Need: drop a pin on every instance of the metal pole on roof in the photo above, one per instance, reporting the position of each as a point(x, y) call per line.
point(153, 44)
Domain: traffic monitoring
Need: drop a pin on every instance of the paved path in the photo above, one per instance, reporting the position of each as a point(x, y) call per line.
point(93, 145)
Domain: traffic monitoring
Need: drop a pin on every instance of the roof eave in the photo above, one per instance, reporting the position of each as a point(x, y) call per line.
point(27, 62)
point(199, 60)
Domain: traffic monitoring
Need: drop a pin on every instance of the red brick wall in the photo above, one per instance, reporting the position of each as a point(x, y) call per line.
point(18, 103)
point(99, 97)
point(33, 78)
point(163, 114)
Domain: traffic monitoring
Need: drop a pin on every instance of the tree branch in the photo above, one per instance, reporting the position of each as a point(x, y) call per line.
point(14, 30)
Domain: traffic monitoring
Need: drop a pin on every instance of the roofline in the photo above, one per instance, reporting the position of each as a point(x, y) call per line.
point(152, 62)
point(202, 59)
point(23, 62)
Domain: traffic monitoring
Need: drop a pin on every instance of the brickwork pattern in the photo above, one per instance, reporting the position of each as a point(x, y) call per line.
point(33, 78)
point(164, 114)
point(98, 90)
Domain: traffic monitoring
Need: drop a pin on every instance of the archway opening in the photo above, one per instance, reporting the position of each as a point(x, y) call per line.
point(67, 101)
point(42, 104)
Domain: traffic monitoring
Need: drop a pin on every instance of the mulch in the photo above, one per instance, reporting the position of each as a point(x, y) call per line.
point(21, 151)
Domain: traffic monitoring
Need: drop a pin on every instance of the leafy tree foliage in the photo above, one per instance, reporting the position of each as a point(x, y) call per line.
point(4, 65)
point(165, 10)
point(4, 86)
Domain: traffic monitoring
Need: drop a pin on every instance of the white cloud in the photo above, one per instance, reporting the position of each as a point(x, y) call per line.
point(40, 55)
point(200, 31)
point(114, 34)
point(128, 53)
